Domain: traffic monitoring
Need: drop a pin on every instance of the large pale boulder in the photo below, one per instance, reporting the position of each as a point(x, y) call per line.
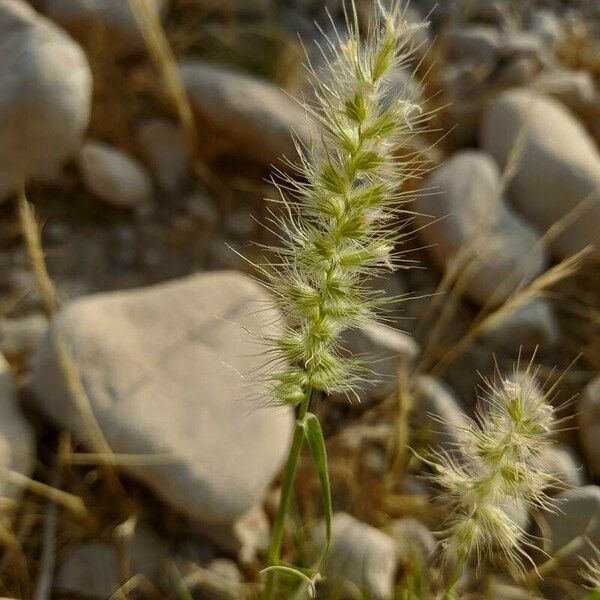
point(557, 167)
point(45, 96)
point(463, 211)
point(252, 116)
point(172, 369)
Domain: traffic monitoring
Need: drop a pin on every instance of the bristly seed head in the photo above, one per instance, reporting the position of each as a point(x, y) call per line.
point(340, 210)
point(500, 464)
point(591, 573)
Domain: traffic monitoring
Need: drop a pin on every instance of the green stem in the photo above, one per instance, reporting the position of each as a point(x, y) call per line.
point(453, 579)
point(287, 487)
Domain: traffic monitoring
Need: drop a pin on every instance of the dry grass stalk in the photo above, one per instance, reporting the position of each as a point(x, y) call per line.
point(536, 289)
point(118, 460)
point(32, 237)
point(14, 563)
point(465, 265)
point(72, 503)
point(13, 555)
point(160, 51)
point(129, 586)
point(33, 243)
point(397, 449)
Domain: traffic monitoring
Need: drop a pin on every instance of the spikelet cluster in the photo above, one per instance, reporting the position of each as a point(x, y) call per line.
point(591, 574)
point(499, 467)
point(342, 205)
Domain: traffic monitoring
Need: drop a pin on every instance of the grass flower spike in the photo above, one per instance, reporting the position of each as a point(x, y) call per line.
point(341, 223)
point(341, 217)
point(501, 466)
point(591, 575)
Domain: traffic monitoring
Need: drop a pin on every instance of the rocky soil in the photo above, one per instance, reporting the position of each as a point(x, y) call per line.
point(167, 481)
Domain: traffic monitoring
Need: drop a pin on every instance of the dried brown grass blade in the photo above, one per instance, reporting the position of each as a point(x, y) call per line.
point(72, 503)
point(31, 234)
point(159, 48)
point(534, 290)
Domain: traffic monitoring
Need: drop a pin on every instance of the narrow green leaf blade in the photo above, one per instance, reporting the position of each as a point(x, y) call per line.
point(288, 570)
point(316, 443)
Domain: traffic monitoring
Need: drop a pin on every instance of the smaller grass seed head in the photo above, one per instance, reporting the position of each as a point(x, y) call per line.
point(498, 464)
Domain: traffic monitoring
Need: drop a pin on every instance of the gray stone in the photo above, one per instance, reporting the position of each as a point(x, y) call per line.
point(547, 26)
point(530, 326)
point(221, 579)
point(414, 541)
point(460, 81)
point(360, 554)
point(588, 421)
point(438, 411)
point(518, 511)
point(516, 71)
point(558, 167)
point(91, 569)
point(240, 223)
point(522, 43)
point(373, 461)
point(234, 7)
point(394, 289)
point(21, 282)
point(244, 539)
point(356, 436)
point(414, 485)
point(45, 96)
point(573, 88)
point(226, 569)
point(577, 514)
point(490, 11)
point(560, 461)
point(504, 589)
point(113, 176)
point(403, 83)
point(253, 116)
point(19, 337)
point(164, 148)
point(201, 208)
point(438, 13)
point(383, 350)
point(462, 86)
point(475, 43)
point(465, 198)
point(106, 24)
point(171, 369)
point(147, 552)
point(17, 441)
